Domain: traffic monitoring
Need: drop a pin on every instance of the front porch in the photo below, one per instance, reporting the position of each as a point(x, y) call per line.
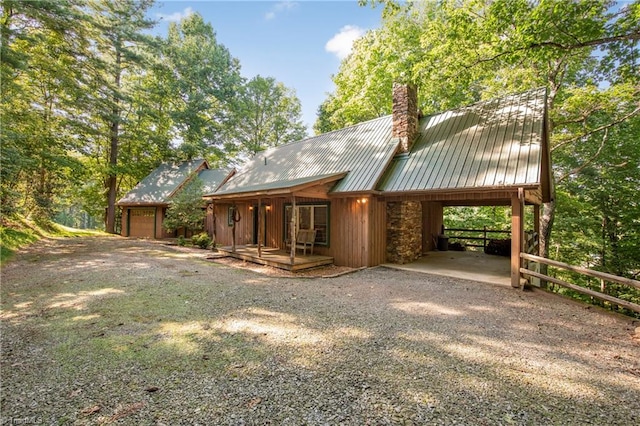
point(276, 257)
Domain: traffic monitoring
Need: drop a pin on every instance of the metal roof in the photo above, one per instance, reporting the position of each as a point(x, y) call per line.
point(363, 150)
point(160, 184)
point(282, 186)
point(212, 179)
point(496, 143)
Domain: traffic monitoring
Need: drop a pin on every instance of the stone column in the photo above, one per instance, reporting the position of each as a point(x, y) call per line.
point(404, 231)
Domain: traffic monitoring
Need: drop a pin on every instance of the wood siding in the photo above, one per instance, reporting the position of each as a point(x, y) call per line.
point(244, 228)
point(357, 230)
point(377, 232)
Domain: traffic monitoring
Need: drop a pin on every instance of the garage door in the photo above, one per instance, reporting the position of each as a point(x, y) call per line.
point(141, 223)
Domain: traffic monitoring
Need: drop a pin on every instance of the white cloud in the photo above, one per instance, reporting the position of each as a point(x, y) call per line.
point(341, 43)
point(175, 16)
point(280, 7)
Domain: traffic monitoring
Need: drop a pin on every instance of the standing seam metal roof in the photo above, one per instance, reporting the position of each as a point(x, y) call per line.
point(211, 179)
point(363, 150)
point(489, 144)
point(161, 183)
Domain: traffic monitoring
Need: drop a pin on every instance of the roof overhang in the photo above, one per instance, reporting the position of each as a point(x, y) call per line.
point(491, 195)
point(142, 204)
point(302, 187)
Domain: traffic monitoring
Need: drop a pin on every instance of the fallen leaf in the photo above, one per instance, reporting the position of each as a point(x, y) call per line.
point(253, 402)
point(125, 411)
point(91, 410)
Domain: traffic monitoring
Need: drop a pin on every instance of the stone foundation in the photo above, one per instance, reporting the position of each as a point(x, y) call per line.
point(404, 231)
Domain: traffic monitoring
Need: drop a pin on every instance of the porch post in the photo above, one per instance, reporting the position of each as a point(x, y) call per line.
point(536, 226)
point(212, 209)
point(259, 213)
point(236, 218)
point(517, 235)
point(292, 228)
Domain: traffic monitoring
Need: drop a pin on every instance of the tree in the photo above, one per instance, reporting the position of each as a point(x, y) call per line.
point(186, 209)
point(40, 50)
point(204, 81)
point(267, 114)
point(119, 44)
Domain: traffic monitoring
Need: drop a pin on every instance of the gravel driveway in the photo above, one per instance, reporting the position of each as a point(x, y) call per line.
point(117, 331)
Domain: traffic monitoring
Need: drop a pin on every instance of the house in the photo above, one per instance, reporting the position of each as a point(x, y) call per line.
point(144, 207)
point(375, 192)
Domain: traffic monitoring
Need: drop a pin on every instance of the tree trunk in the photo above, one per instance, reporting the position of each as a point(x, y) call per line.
point(546, 225)
point(114, 139)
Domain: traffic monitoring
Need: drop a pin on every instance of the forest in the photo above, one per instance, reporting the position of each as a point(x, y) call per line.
point(91, 102)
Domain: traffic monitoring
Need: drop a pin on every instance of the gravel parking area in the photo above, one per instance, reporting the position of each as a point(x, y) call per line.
point(107, 330)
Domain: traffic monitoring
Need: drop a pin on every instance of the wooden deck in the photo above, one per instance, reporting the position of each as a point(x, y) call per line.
point(277, 258)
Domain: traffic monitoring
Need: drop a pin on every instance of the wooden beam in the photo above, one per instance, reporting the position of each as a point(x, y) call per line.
point(259, 213)
point(517, 236)
point(625, 304)
point(584, 271)
point(292, 228)
point(536, 225)
point(312, 193)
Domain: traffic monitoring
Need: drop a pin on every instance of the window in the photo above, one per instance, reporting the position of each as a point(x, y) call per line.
point(309, 216)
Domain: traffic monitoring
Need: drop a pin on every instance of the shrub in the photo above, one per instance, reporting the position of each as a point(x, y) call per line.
point(201, 240)
point(182, 241)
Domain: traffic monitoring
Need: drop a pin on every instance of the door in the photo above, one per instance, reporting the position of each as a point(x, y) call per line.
point(142, 222)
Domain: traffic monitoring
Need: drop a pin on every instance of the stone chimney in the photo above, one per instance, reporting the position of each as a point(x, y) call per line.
point(405, 115)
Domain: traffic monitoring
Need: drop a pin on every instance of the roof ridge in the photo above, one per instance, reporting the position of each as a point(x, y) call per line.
point(327, 133)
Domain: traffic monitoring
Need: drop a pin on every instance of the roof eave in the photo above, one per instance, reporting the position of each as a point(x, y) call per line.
point(291, 190)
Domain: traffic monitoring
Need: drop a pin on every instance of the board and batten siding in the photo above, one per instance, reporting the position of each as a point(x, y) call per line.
point(357, 227)
point(244, 228)
point(358, 231)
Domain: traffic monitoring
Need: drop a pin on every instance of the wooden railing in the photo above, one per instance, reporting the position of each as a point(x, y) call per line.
point(604, 277)
point(486, 235)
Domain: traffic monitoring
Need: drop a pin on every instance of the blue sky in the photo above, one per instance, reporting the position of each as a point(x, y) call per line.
point(299, 43)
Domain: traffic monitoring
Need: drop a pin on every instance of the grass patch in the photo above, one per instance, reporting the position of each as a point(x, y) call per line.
point(17, 232)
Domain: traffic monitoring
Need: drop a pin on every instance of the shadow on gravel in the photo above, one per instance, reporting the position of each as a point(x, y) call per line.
point(120, 331)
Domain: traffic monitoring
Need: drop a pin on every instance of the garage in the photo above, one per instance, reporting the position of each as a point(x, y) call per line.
point(142, 222)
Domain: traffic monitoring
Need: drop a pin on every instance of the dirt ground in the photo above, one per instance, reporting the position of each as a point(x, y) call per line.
point(107, 330)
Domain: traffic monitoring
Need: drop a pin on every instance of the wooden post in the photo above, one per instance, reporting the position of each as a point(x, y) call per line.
point(259, 213)
point(235, 214)
point(536, 227)
point(535, 281)
point(517, 235)
point(484, 240)
point(292, 228)
point(233, 229)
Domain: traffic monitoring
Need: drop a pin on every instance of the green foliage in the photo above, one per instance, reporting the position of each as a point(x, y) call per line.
point(90, 103)
point(266, 114)
point(203, 82)
point(12, 239)
point(182, 241)
point(496, 217)
point(201, 240)
point(16, 232)
point(186, 209)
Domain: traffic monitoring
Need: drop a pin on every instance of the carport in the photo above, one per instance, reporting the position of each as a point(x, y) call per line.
point(493, 153)
point(469, 265)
